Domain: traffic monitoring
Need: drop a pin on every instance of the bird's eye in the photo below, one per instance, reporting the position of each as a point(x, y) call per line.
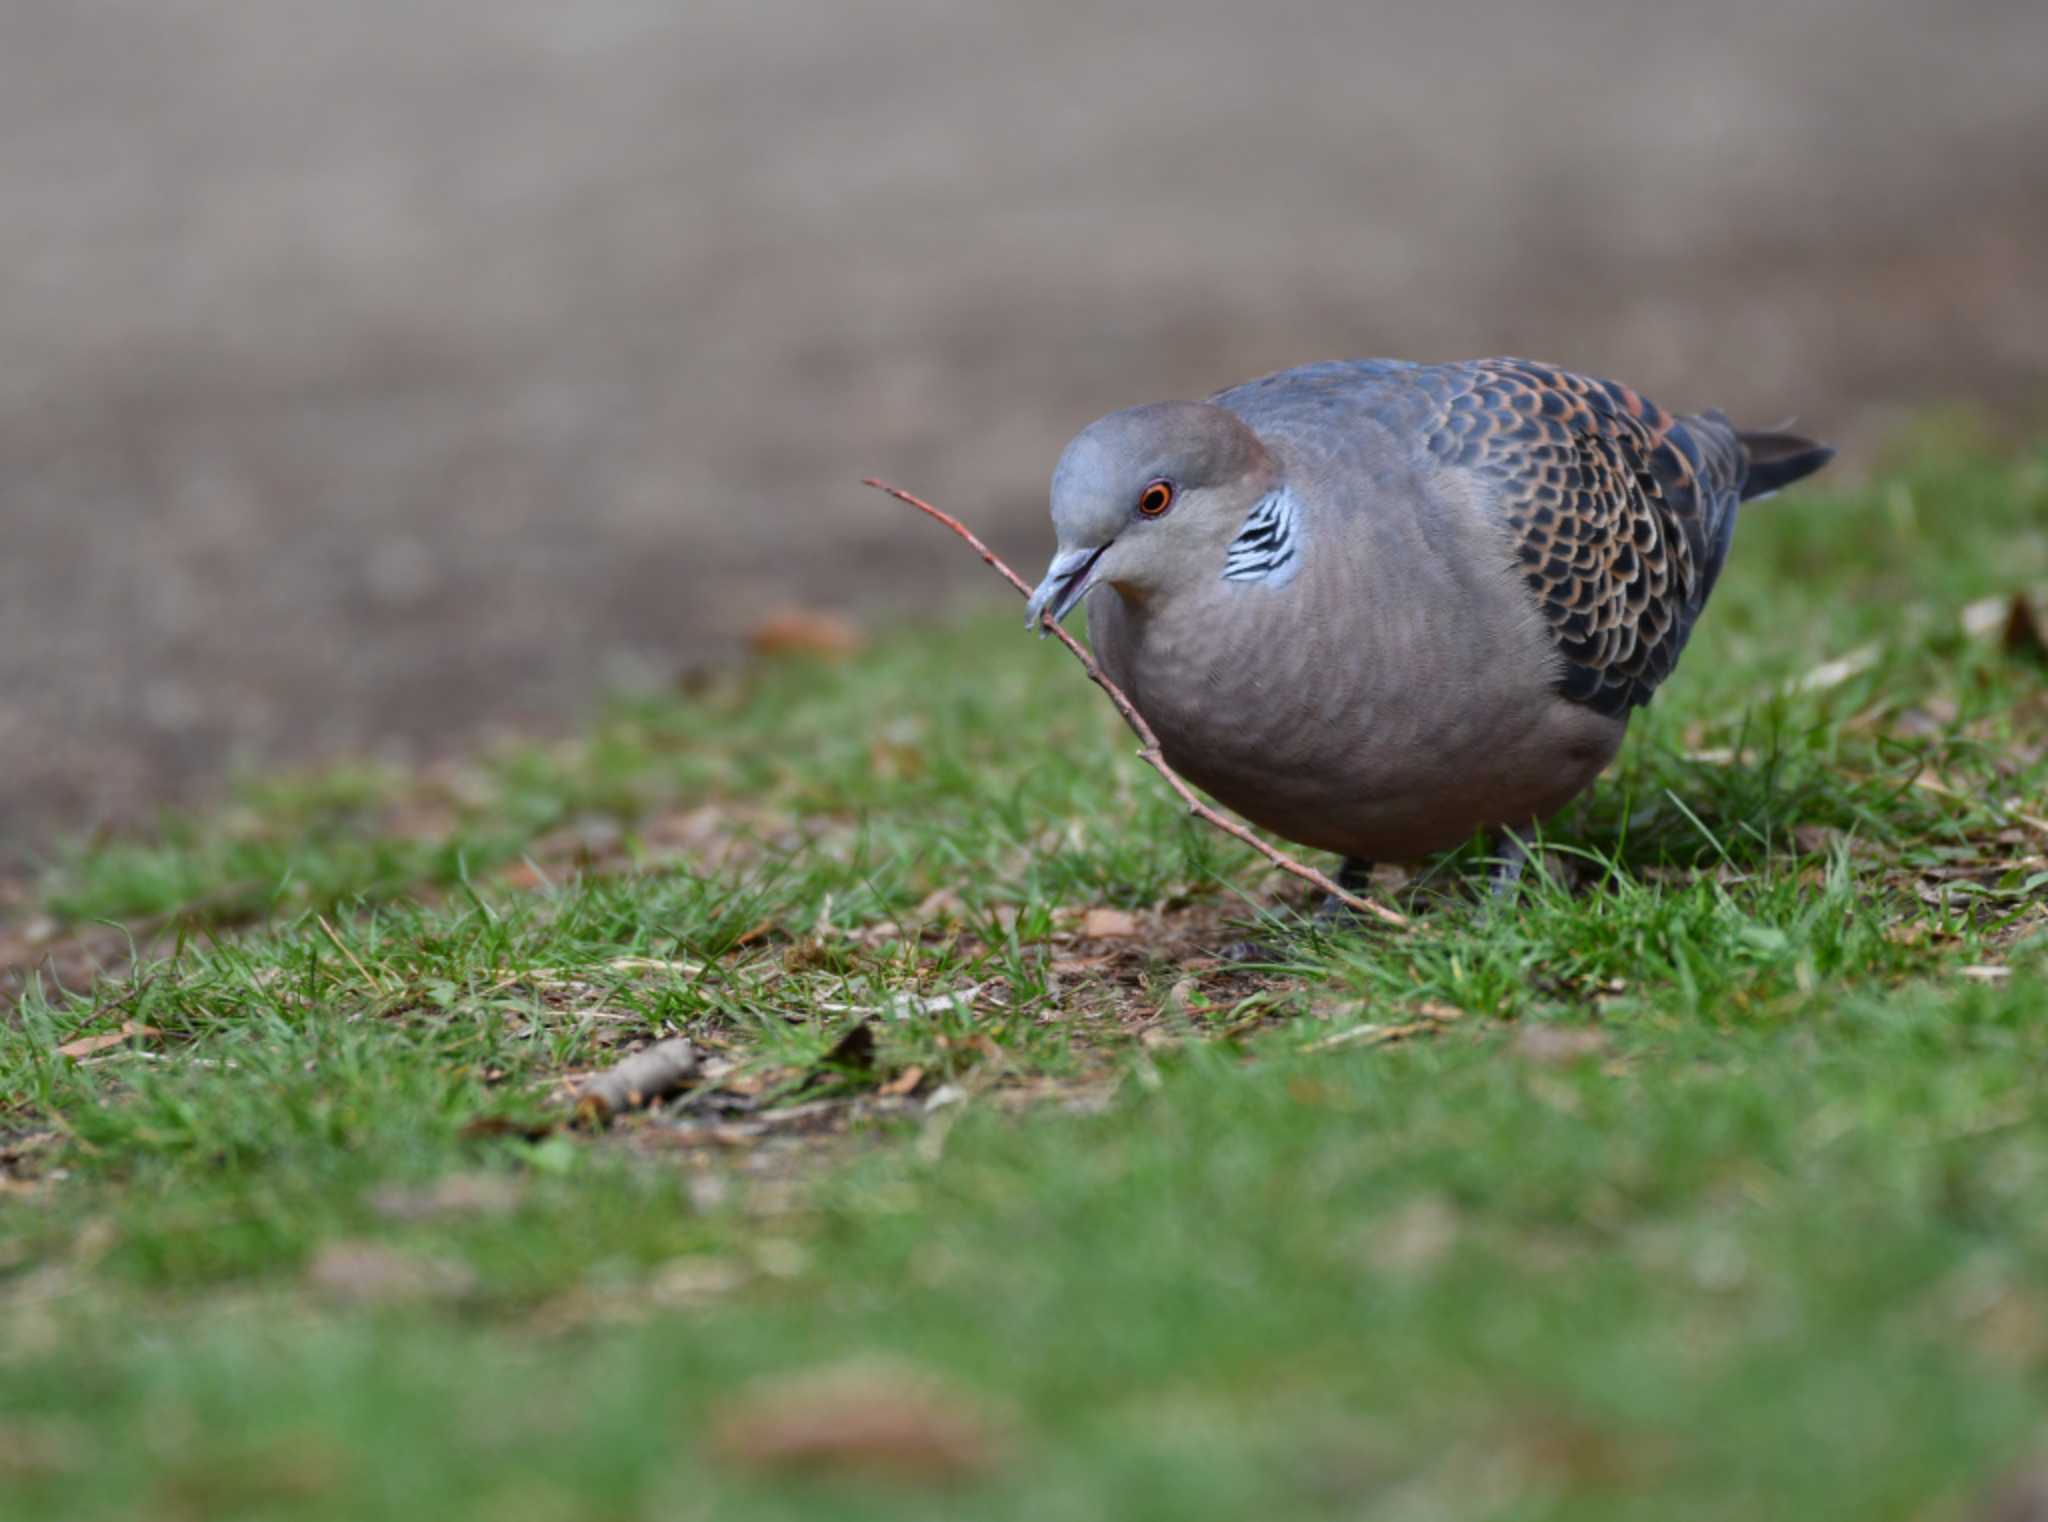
point(1155, 499)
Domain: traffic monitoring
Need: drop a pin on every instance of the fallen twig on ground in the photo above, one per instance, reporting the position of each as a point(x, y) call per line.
point(640, 1080)
point(1149, 751)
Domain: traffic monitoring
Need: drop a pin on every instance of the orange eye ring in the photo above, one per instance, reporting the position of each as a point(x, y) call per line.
point(1155, 499)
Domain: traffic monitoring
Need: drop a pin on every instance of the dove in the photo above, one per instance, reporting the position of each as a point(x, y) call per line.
point(1377, 607)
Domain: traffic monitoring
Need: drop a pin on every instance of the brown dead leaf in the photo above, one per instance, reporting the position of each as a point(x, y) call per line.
point(1835, 672)
point(1066, 965)
point(905, 1082)
point(805, 632)
point(1913, 932)
point(85, 1046)
point(813, 953)
point(2024, 632)
point(1984, 617)
point(1109, 924)
point(2016, 621)
point(979, 1043)
point(873, 1421)
point(491, 1127)
point(853, 1052)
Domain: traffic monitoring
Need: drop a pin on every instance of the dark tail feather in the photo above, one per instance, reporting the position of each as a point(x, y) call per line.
point(1779, 459)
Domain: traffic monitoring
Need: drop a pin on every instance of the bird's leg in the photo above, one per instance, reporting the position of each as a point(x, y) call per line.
point(1355, 876)
point(1511, 855)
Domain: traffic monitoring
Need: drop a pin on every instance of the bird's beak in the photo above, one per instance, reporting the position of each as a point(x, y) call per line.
point(1067, 581)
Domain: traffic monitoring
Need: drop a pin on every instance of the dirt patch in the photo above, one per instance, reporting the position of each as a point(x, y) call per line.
point(528, 351)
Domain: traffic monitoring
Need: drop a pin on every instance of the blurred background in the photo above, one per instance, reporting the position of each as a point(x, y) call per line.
point(377, 377)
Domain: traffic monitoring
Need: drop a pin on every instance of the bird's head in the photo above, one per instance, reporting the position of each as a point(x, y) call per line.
point(1148, 498)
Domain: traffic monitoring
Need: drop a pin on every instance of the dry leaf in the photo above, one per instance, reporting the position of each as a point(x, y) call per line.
point(1984, 617)
point(853, 1052)
point(2015, 620)
point(980, 1042)
point(2024, 633)
point(905, 1082)
point(802, 631)
point(1109, 924)
point(1066, 965)
point(85, 1046)
point(490, 1127)
point(893, 761)
point(871, 1421)
point(1835, 672)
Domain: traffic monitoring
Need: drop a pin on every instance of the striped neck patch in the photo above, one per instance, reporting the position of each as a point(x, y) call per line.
point(1267, 547)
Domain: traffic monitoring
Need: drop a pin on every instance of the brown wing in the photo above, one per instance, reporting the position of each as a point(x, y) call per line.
point(1618, 512)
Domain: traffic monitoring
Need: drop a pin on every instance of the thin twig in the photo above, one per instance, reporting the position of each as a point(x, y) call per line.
point(1150, 753)
point(640, 1080)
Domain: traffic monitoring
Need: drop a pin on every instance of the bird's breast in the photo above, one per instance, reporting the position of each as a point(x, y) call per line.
point(1375, 720)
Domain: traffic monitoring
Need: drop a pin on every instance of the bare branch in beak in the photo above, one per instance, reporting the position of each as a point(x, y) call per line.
point(1067, 581)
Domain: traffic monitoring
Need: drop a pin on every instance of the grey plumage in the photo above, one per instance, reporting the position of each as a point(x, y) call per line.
point(1376, 606)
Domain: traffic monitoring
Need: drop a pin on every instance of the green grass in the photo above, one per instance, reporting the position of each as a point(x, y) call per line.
point(1710, 1179)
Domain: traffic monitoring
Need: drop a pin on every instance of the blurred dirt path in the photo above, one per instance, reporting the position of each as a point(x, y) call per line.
point(377, 375)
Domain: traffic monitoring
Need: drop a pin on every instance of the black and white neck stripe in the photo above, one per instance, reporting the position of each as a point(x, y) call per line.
point(1267, 548)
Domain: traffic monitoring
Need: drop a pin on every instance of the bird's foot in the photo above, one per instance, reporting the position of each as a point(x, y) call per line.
point(1354, 877)
point(1330, 915)
point(1510, 856)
